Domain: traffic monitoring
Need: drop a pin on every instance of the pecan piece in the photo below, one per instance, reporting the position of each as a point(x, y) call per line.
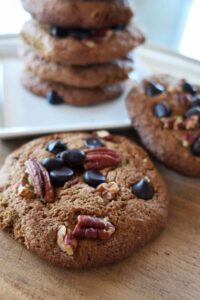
point(188, 139)
point(89, 227)
point(100, 158)
point(104, 134)
point(40, 180)
point(109, 190)
point(65, 240)
point(192, 122)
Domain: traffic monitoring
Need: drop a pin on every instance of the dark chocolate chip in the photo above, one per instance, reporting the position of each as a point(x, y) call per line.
point(194, 111)
point(196, 100)
point(162, 110)
point(189, 88)
point(54, 98)
point(143, 189)
point(73, 158)
point(196, 147)
point(61, 176)
point(93, 178)
point(56, 147)
point(62, 32)
point(154, 89)
point(52, 163)
point(93, 143)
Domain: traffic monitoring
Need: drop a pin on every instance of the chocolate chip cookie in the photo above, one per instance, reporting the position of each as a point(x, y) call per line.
point(81, 47)
point(80, 13)
point(82, 199)
point(165, 111)
point(91, 76)
point(58, 93)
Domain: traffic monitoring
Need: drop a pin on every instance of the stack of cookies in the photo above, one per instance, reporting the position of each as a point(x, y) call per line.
point(76, 51)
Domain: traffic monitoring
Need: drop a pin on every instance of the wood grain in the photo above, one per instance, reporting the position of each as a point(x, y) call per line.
point(167, 268)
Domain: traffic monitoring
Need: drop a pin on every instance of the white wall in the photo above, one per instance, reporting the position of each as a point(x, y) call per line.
point(162, 20)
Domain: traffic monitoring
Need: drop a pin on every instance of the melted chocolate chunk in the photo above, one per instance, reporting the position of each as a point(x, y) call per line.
point(56, 146)
point(162, 110)
point(61, 176)
point(143, 189)
point(154, 89)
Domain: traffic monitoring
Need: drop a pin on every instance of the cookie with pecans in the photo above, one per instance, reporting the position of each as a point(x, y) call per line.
point(82, 199)
point(165, 111)
point(80, 13)
point(81, 46)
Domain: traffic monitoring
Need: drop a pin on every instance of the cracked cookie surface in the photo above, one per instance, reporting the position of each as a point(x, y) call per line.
point(96, 216)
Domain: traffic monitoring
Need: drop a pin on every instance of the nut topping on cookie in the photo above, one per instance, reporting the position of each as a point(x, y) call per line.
point(93, 228)
point(40, 180)
point(25, 189)
point(109, 190)
point(65, 240)
point(100, 158)
point(196, 147)
point(143, 189)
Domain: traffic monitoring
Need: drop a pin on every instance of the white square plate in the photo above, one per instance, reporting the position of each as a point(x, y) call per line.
point(22, 113)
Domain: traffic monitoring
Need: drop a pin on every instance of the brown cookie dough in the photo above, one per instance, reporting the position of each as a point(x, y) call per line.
point(103, 47)
point(71, 95)
point(79, 76)
point(80, 13)
point(85, 221)
point(169, 122)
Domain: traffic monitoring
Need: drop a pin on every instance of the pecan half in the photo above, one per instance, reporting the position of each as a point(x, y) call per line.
point(188, 139)
point(100, 158)
point(40, 180)
point(89, 227)
point(109, 190)
point(65, 240)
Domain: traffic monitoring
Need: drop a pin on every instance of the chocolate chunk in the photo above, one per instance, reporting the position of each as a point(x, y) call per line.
point(154, 89)
point(196, 100)
point(56, 147)
point(52, 163)
point(143, 189)
point(62, 32)
point(196, 147)
point(93, 178)
point(54, 98)
point(189, 88)
point(93, 143)
point(194, 111)
point(73, 158)
point(162, 110)
point(61, 176)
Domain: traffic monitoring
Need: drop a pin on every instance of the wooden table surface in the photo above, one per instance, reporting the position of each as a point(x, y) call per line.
point(168, 268)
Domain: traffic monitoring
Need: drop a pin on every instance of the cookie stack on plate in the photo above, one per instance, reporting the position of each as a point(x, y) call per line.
point(76, 51)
